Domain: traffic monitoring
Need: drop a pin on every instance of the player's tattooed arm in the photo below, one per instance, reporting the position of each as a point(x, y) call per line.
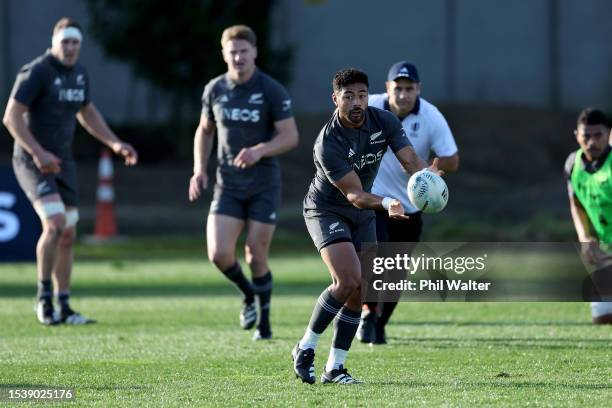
point(448, 163)
point(413, 163)
point(409, 160)
point(351, 187)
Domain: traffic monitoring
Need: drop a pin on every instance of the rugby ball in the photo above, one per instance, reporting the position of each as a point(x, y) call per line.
point(427, 191)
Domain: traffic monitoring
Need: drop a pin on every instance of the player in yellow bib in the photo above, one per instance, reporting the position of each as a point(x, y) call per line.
point(589, 183)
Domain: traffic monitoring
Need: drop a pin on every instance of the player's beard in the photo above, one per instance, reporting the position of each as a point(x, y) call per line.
point(355, 116)
point(595, 153)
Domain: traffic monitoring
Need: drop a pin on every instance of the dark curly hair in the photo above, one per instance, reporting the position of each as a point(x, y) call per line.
point(349, 76)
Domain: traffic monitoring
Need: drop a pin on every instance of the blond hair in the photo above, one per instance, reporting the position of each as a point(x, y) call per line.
point(239, 32)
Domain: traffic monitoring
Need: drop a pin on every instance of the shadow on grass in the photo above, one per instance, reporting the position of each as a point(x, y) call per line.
point(493, 384)
point(163, 289)
point(544, 343)
point(495, 323)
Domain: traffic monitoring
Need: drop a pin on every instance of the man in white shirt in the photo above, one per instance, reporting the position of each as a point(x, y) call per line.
point(431, 137)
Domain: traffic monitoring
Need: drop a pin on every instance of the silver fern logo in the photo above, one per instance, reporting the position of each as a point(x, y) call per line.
point(333, 228)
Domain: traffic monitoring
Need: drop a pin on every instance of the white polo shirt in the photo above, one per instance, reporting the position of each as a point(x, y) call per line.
point(428, 132)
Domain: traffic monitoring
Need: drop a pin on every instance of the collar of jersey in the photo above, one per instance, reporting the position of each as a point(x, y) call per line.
point(232, 85)
point(592, 167)
point(56, 63)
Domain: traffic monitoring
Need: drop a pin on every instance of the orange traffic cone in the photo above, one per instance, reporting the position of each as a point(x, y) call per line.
point(106, 227)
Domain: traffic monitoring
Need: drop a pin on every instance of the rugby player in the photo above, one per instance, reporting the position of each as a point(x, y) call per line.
point(588, 173)
point(430, 136)
point(339, 217)
point(50, 94)
point(250, 112)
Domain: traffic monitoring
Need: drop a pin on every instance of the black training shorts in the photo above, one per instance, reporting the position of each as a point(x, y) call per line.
point(328, 227)
point(37, 185)
point(258, 206)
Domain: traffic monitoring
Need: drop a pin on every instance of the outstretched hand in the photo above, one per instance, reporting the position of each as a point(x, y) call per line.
point(396, 210)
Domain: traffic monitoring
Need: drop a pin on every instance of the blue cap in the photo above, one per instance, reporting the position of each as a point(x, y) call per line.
point(403, 69)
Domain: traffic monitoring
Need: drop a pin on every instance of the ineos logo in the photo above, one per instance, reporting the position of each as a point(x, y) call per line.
point(368, 159)
point(72, 95)
point(241, 115)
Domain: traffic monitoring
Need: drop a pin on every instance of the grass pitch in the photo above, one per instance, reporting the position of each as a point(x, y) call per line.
point(168, 335)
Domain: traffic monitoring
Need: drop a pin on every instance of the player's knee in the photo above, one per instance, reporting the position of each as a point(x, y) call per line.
point(346, 286)
point(354, 301)
point(54, 226)
point(67, 238)
point(256, 264)
point(221, 259)
point(352, 285)
point(255, 255)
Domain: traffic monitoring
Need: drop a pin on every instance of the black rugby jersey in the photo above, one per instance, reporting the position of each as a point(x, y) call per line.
point(338, 150)
point(53, 93)
point(244, 115)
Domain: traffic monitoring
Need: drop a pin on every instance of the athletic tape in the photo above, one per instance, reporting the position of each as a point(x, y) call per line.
point(64, 33)
point(49, 209)
point(72, 217)
point(386, 202)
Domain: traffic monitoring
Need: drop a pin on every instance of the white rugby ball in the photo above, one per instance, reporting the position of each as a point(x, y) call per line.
point(427, 191)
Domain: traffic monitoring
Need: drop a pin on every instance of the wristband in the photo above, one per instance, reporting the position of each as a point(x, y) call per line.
point(386, 202)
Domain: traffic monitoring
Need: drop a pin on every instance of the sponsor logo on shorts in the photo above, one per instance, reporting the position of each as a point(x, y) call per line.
point(273, 216)
point(256, 98)
point(286, 104)
point(214, 206)
point(351, 153)
point(43, 187)
point(333, 228)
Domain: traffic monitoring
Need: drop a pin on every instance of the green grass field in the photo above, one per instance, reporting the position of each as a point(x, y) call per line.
point(168, 335)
